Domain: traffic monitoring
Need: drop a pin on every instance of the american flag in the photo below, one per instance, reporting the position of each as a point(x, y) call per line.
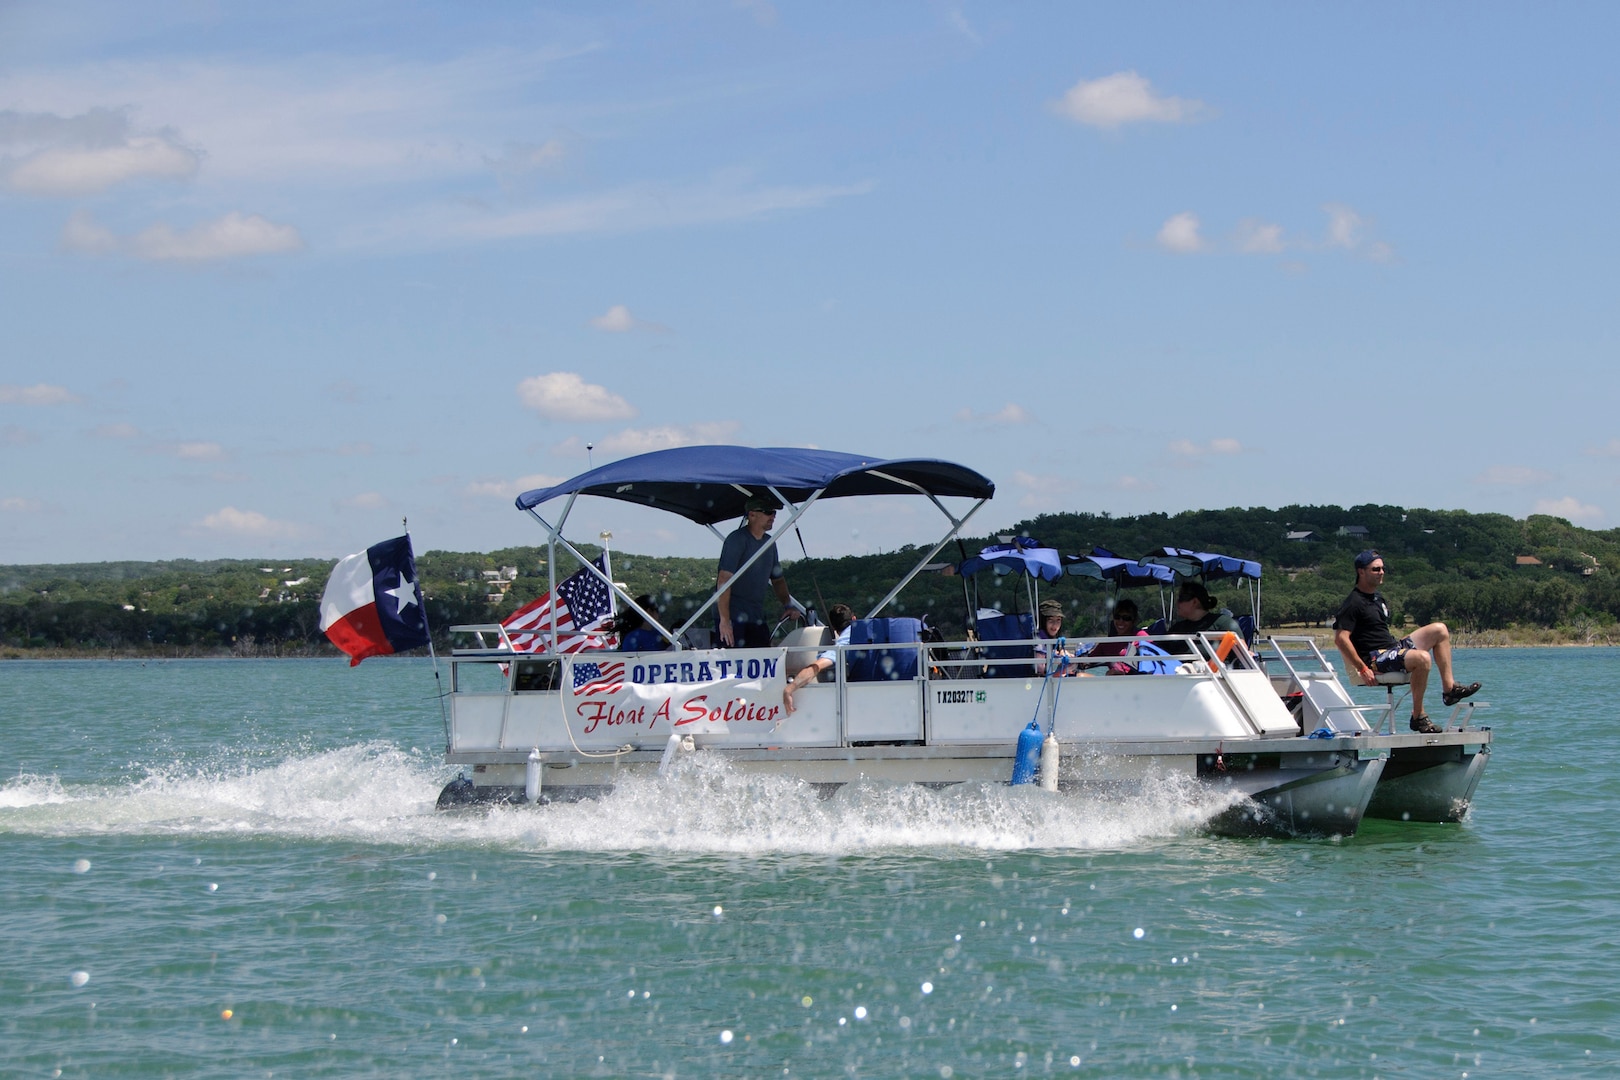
point(593, 678)
point(583, 609)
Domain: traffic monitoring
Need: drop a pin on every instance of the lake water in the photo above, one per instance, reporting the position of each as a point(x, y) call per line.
point(234, 868)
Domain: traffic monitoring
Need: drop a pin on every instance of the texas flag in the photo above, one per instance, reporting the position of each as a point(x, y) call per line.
point(372, 605)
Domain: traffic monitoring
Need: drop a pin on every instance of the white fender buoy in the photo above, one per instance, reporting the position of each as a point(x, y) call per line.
point(1049, 762)
point(531, 777)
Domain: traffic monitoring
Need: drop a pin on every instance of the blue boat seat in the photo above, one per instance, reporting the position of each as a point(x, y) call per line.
point(882, 665)
point(1007, 628)
point(1247, 628)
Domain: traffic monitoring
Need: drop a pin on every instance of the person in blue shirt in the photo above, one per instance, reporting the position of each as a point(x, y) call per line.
point(741, 608)
point(839, 618)
point(634, 633)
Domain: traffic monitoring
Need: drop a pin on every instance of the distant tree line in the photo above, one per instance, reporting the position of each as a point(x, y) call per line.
point(1475, 571)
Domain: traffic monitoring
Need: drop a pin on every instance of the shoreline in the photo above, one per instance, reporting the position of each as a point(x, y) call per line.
point(1482, 639)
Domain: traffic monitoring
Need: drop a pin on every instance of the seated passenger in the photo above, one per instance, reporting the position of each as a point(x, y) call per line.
point(1197, 612)
point(1361, 631)
point(1050, 628)
point(634, 633)
point(839, 618)
point(1122, 624)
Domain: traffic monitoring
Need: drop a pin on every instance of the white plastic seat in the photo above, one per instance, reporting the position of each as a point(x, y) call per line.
point(803, 646)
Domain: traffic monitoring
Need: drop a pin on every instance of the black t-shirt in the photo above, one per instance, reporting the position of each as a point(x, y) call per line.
point(1366, 616)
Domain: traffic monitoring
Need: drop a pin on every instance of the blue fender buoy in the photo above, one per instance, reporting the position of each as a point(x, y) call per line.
point(1027, 761)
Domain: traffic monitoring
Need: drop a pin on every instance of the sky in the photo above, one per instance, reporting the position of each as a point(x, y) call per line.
point(275, 277)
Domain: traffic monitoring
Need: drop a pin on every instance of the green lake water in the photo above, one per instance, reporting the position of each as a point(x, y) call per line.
point(234, 869)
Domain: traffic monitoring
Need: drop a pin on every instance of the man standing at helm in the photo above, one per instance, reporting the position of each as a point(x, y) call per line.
point(741, 607)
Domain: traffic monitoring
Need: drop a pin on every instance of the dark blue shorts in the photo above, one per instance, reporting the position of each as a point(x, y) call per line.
point(1392, 658)
point(747, 635)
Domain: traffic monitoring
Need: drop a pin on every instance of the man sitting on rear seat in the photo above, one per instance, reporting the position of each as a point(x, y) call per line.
point(839, 618)
point(1361, 631)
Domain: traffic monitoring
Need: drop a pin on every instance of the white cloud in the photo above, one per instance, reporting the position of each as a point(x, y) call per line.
point(1571, 509)
point(1256, 237)
point(323, 115)
point(1344, 226)
point(1346, 231)
point(1134, 483)
point(618, 320)
point(1124, 98)
point(1512, 476)
point(563, 395)
point(1008, 415)
point(229, 519)
point(511, 489)
point(17, 505)
point(729, 197)
point(230, 237)
point(763, 11)
point(12, 435)
point(38, 394)
point(1024, 479)
point(644, 440)
point(344, 121)
point(530, 157)
point(116, 431)
point(1608, 449)
point(1219, 446)
point(1180, 234)
point(958, 21)
point(199, 451)
point(366, 500)
point(85, 154)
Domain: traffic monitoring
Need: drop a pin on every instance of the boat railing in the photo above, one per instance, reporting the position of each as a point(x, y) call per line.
point(1189, 653)
point(1298, 664)
point(502, 640)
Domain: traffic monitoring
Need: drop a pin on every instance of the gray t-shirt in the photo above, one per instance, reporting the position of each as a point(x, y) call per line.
point(748, 589)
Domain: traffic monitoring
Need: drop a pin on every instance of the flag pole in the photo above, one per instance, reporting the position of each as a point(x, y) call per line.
point(421, 595)
point(607, 568)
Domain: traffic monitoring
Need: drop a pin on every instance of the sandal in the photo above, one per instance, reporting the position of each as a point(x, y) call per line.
point(1423, 725)
point(1458, 691)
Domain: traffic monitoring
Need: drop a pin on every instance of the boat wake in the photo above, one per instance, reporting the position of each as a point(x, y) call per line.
point(379, 793)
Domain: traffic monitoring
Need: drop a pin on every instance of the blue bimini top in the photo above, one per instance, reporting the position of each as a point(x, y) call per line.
point(1024, 555)
point(1205, 564)
point(710, 484)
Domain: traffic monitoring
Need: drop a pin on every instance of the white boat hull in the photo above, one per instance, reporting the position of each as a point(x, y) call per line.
point(1227, 729)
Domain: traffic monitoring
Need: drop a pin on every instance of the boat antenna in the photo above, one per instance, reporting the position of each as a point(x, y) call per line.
point(814, 584)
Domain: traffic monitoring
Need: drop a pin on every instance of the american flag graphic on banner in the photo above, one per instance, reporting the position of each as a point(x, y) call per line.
point(583, 608)
point(593, 678)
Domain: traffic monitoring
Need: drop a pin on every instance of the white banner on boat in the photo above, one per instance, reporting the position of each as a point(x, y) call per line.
point(695, 693)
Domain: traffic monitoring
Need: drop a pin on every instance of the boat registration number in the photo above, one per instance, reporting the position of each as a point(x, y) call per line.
point(960, 697)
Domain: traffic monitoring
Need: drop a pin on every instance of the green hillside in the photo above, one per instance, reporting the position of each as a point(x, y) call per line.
point(1475, 571)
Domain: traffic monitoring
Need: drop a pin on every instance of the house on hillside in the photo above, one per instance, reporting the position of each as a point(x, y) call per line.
point(1359, 532)
point(1526, 560)
point(1300, 536)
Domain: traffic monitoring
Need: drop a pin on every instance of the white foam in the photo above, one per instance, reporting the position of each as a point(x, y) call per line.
point(376, 792)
